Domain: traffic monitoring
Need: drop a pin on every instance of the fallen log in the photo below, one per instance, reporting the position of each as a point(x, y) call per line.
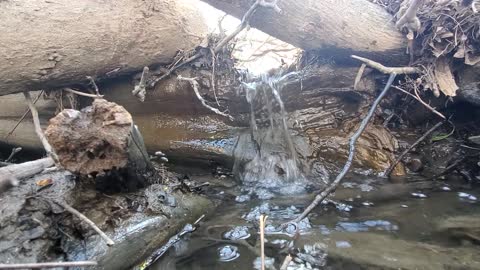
point(59, 43)
point(334, 27)
point(100, 140)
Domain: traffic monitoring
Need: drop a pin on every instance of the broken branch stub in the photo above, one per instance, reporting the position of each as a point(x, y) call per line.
point(97, 139)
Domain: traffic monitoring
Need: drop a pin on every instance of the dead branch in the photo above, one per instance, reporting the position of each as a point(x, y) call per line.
point(388, 70)
point(38, 128)
point(140, 89)
point(47, 265)
point(86, 220)
point(286, 262)
point(214, 62)
point(27, 169)
point(417, 97)
point(353, 140)
point(263, 220)
point(70, 90)
point(92, 82)
point(225, 40)
point(13, 153)
point(410, 18)
point(417, 142)
point(194, 84)
point(361, 70)
point(23, 116)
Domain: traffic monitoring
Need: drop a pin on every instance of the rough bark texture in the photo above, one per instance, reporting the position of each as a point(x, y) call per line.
point(100, 138)
point(53, 43)
point(336, 27)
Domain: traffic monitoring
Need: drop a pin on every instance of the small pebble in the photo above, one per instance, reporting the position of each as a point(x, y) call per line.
point(367, 204)
point(404, 206)
point(445, 188)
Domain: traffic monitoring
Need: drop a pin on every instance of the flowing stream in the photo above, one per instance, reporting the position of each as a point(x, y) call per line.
point(367, 224)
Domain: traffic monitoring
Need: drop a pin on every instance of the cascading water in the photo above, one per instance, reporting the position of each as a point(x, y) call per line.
point(274, 166)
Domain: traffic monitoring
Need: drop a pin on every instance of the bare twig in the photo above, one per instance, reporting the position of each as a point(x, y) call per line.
point(361, 70)
point(38, 128)
point(47, 265)
point(13, 153)
point(214, 62)
point(263, 219)
point(86, 220)
point(388, 70)
point(70, 90)
point(23, 116)
point(140, 90)
point(92, 81)
point(194, 84)
point(353, 140)
point(417, 142)
point(225, 40)
point(286, 262)
point(417, 97)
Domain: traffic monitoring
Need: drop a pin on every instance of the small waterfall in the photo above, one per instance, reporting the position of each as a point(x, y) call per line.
point(275, 164)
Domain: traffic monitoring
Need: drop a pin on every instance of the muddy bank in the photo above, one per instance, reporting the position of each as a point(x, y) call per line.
point(35, 229)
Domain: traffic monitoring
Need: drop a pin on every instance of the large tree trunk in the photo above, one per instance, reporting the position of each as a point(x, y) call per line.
point(53, 43)
point(335, 27)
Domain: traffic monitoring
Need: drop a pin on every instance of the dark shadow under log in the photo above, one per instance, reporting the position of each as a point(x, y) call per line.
point(101, 140)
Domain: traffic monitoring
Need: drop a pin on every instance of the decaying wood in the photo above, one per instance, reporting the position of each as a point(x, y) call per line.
point(60, 43)
point(99, 139)
point(339, 27)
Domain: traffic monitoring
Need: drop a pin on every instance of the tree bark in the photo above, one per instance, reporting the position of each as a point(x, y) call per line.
point(337, 28)
point(48, 44)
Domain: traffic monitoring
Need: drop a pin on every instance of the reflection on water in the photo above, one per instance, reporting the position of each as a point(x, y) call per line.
point(401, 233)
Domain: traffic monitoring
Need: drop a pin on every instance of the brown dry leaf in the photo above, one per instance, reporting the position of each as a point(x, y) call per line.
point(44, 182)
point(472, 59)
point(444, 77)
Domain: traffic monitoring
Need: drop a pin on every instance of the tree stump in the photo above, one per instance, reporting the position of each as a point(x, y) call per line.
point(101, 141)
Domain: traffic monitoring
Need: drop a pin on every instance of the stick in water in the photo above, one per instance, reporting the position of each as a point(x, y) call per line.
point(262, 239)
point(353, 140)
point(392, 167)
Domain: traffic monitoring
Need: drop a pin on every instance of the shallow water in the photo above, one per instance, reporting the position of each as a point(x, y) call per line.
point(337, 233)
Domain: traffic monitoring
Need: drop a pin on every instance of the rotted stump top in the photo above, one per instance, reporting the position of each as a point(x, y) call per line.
point(92, 140)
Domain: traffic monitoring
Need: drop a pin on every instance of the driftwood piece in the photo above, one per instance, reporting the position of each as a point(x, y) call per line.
point(27, 169)
point(61, 42)
point(100, 138)
point(338, 27)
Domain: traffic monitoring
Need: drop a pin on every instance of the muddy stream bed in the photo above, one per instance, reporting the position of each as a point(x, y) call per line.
point(369, 223)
